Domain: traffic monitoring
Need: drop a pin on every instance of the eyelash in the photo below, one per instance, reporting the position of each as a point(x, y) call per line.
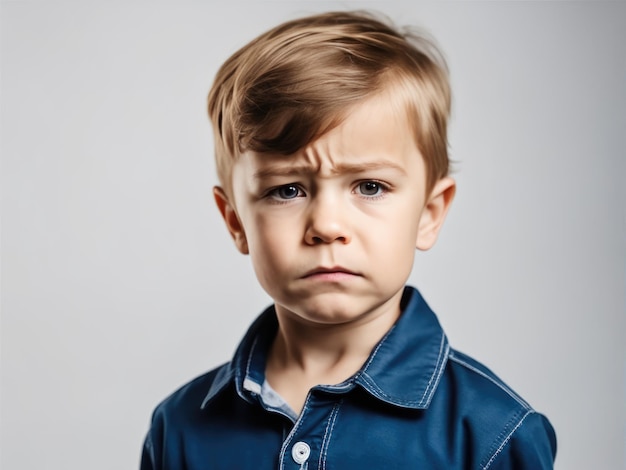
point(274, 193)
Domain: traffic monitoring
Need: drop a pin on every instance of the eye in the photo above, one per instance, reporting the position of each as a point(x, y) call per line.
point(288, 191)
point(371, 188)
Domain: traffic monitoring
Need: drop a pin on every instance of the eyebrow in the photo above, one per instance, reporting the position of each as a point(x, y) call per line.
point(340, 168)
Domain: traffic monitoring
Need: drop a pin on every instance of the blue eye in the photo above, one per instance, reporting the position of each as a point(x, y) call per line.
point(288, 191)
point(370, 188)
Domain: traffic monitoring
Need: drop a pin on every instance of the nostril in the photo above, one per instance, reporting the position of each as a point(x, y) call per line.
point(320, 240)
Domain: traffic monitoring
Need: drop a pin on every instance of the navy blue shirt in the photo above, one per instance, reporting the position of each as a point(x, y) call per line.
point(415, 403)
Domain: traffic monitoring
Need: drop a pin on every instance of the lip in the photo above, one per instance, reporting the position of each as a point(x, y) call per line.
point(330, 273)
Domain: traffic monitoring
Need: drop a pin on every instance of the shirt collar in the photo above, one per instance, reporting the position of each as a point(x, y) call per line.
point(404, 369)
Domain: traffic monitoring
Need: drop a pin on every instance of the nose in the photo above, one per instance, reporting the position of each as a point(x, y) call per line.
point(327, 222)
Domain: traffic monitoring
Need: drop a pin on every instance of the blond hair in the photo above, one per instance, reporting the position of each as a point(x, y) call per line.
point(299, 80)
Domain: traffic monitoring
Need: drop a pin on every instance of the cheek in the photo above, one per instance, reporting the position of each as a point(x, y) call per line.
point(269, 239)
point(395, 241)
point(398, 227)
point(396, 259)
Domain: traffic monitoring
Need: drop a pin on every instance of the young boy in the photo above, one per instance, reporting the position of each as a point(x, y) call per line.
point(332, 156)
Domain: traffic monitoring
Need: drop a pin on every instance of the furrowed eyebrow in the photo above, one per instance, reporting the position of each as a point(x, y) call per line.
point(282, 171)
point(340, 168)
point(367, 166)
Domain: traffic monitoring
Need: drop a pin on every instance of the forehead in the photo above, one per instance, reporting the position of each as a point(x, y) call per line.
point(375, 135)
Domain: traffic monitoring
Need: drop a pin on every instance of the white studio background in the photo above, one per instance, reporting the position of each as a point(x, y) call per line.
point(120, 283)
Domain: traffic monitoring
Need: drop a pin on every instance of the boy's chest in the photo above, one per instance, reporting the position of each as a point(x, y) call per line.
point(331, 433)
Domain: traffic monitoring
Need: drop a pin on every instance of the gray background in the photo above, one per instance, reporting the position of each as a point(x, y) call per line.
point(119, 282)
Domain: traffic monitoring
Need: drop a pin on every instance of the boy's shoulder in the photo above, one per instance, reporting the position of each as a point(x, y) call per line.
point(195, 394)
point(188, 398)
point(509, 426)
point(481, 382)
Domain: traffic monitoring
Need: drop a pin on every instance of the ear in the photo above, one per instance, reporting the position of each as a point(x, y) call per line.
point(434, 213)
point(233, 224)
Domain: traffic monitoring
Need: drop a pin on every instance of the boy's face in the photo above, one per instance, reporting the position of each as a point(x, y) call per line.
point(332, 229)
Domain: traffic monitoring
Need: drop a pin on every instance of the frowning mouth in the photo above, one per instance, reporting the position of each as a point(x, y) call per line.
point(331, 273)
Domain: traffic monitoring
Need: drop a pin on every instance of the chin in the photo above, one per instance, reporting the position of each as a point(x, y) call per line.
point(331, 316)
point(331, 309)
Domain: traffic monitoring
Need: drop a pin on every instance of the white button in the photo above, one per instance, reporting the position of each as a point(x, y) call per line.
point(300, 452)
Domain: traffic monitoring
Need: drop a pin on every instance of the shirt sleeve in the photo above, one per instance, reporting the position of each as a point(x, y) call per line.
point(147, 455)
point(530, 446)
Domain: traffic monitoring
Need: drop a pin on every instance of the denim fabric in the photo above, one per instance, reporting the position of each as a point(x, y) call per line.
point(415, 403)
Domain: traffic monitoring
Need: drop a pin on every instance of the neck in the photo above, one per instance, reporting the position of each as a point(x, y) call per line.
point(306, 354)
